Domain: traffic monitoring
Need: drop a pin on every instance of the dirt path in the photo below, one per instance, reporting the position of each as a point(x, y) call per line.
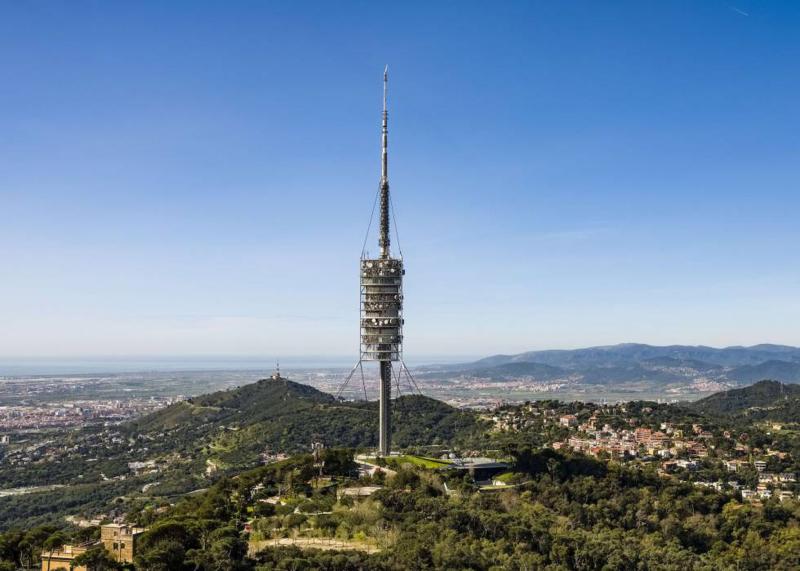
point(313, 543)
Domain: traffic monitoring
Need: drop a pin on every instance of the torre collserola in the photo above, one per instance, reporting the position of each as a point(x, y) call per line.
point(382, 297)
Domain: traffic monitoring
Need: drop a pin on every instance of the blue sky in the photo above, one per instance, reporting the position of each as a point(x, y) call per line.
point(196, 178)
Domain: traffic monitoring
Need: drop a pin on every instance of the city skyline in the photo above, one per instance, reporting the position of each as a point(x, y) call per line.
point(190, 184)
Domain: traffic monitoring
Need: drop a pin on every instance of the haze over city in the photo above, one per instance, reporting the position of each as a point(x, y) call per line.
point(563, 174)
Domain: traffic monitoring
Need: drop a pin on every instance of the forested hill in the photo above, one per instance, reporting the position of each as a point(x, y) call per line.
point(231, 428)
point(190, 445)
point(770, 398)
point(259, 401)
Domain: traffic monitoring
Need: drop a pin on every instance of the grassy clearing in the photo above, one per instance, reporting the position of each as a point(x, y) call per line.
point(395, 462)
point(421, 461)
point(508, 477)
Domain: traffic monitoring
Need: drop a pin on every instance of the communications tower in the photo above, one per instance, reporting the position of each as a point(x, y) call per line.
point(382, 297)
point(381, 302)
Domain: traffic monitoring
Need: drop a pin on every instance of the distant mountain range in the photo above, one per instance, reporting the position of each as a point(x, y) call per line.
point(682, 368)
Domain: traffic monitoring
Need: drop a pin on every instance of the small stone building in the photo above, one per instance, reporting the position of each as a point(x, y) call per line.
point(120, 540)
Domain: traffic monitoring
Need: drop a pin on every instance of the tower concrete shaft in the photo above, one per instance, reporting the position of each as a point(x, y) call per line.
point(385, 413)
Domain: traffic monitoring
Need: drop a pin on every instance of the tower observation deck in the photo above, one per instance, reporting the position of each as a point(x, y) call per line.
point(382, 296)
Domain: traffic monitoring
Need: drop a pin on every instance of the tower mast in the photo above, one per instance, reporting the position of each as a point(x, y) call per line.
point(383, 240)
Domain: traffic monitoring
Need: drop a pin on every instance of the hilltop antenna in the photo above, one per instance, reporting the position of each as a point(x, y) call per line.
point(276, 376)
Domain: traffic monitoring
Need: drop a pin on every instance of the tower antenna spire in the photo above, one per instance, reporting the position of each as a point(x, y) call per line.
point(383, 240)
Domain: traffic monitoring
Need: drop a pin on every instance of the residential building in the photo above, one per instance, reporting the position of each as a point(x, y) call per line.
point(120, 540)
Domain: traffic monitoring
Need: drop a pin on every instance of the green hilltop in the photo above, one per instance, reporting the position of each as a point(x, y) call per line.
point(231, 428)
point(194, 443)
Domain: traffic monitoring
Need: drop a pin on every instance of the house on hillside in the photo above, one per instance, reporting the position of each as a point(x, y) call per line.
point(568, 420)
point(62, 559)
point(120, 540)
